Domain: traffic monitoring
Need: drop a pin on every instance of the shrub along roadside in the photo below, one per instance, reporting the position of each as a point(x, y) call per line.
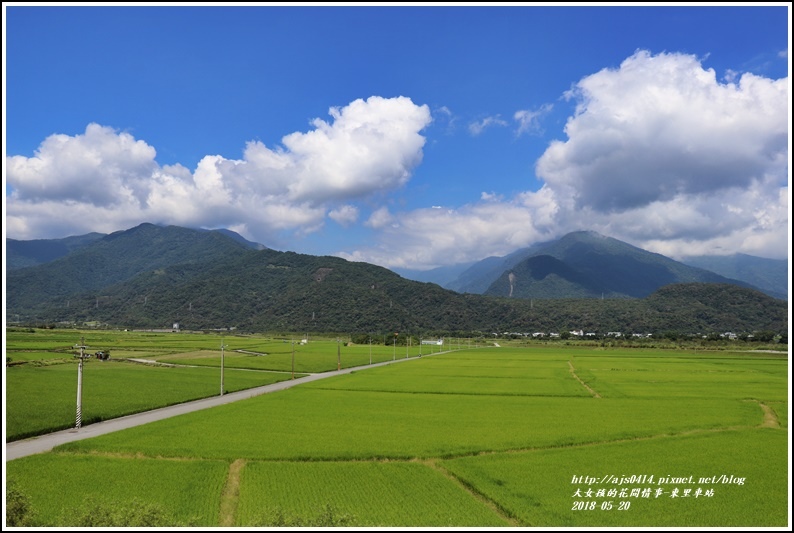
point(18, 510)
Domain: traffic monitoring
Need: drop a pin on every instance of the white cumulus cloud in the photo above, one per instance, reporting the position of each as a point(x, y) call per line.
point(100, 167)
point(367, 147)
point(659, 153)
point(345, 215)
point(434, 237)
point(663, 126)
point(380, 218)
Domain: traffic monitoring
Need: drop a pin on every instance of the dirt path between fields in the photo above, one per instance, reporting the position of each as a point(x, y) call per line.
point(473, 492)
point(585, 385)
point(770, 417)
point(45, 443)
point(231, 494)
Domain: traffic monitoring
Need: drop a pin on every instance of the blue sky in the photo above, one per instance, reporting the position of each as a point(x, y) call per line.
point(406, 136)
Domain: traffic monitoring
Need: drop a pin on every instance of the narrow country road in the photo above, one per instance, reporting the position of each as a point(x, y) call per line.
point(45, 443)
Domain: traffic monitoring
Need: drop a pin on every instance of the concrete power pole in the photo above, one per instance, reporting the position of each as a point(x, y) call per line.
point(223, 347)
point(81, 357)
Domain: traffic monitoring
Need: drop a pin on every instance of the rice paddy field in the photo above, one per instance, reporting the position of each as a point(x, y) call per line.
point(321, 355)
point(531, 436)
point(43, 399)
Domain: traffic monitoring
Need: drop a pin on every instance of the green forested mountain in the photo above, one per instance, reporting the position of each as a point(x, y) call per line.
point(717, 307)
point(478, 277)
point(113, 259)
point(439, 276)
point(21, 254)
point(587, 264)
point(545, 277)
point(152, 277)
point(769, 275)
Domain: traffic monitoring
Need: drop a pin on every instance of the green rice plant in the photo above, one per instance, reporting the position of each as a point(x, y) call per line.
point(312, 424)
point(135, 354)
point(320, 356)
point(443, 375)
point(44, 399)
point(629, 377)
point(781, 413)
point(44, 339)
point(42, 344)
point(315, 355)
point(457, 385)
point(369, 494)
point(324, 516)
point(31, 355)
point(319, 453)
point(544, 488)
point(63, 488)
point(133, 340)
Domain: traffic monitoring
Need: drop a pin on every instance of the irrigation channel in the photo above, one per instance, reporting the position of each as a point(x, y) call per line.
point(45, 443)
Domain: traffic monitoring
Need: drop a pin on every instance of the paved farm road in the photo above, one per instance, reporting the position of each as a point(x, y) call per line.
point(45, 443)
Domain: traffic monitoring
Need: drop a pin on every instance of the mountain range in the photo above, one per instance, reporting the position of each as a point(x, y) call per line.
point(21, 254)
point(769, 275)
point(586, 264)
point(153, 276)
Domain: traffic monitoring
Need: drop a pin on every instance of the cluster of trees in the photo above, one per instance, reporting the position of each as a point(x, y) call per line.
point(397, 339)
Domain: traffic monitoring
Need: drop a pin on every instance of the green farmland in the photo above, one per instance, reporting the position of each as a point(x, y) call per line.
point(488, 437)
point(110, 390)
point(320, 355)
point(42, 379)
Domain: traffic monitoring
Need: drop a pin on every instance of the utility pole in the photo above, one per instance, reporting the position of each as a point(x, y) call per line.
point(223, 347)
point(370, 349)
point(338, 356)
point(293, 359)
point(79, 417)
point(394, 355)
